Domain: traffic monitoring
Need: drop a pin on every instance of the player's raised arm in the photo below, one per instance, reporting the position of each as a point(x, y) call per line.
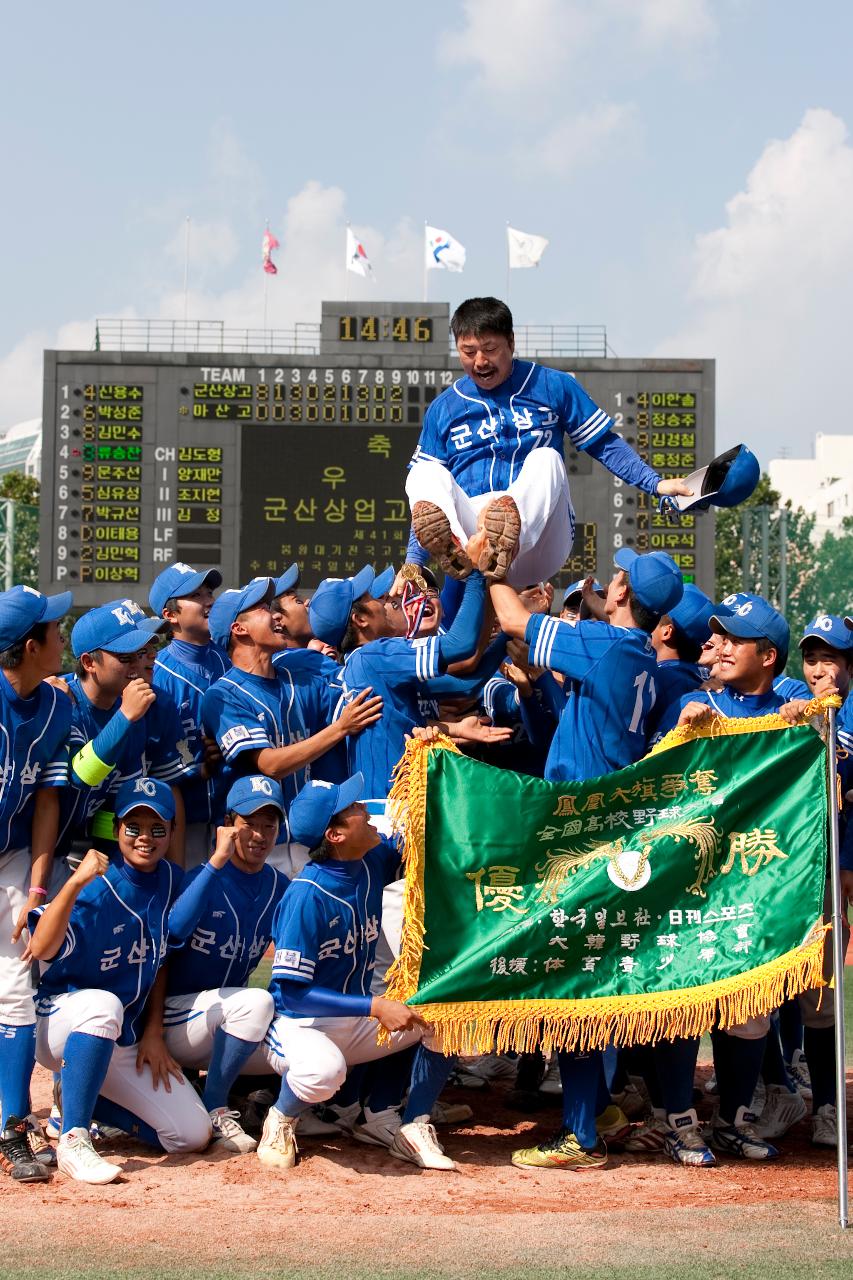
point(49, 932)
point(510, 612)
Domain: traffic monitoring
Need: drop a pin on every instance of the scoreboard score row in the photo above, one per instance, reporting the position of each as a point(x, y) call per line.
point(249, 462)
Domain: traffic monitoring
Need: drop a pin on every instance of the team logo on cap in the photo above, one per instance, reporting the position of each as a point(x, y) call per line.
point(743, 609)
point(123, 616)
point(316, 782)
point(183, 568)
point(262, 785)
point(147, 786)
point(823, 623)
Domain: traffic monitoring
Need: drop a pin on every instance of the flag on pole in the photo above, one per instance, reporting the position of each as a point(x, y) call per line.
point(357, 260)
point(525, 249)
point(269, 243)
point(443, 251)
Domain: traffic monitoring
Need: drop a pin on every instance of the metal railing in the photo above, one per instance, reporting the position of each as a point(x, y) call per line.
point(532, 341)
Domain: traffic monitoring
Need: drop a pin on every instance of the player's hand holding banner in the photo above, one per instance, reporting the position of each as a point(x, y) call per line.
point(652, 902)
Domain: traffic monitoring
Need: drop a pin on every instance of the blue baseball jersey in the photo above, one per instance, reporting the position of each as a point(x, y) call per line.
point(603, 724)
point(33, 754)
point(483, 437)
point(844, 724)
point(115, 941)
point(184, 672)
point(789, 689)
point(327, 924)
point(232, 931)
point(396, 670)
point(247, 713)
point(675, 679)
point(318, 679)
point(738, 706)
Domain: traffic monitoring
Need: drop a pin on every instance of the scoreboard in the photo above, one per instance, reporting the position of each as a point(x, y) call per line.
point(250, 461)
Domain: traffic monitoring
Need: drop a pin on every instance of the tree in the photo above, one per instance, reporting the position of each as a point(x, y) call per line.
point(24, 492)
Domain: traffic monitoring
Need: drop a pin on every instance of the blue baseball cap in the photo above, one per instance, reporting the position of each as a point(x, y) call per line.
point(655, 578)
point(830, 630)
point(153, 625)
point(22, 607)
point(332, 602)
point(316, 805)
point(575, 589)
point(227, 606)
point(726, 481)
point(288, 581)
point(180, 580)
point(149, 793)
point(692, 615)
point(750, 619)
point(254, 792)
point(112, 627)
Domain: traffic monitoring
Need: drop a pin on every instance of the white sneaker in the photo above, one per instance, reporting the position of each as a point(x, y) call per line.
point(78, 1159)
point(277, 1147)
point(781, 1111)
point(379, 1128)
point(417, 1143)
point(798, 1070)
point(228, 1133)
point(551, 1082)
point(346, 1118)
point(313, 1123)
point(491, 1066)
point(450, 1113)
point(825, 1126)
point(630, 1101)
point(759, 1098)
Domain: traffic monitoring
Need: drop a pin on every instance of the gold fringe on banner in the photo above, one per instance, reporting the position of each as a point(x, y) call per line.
point(725, 726)
point(476, 1027)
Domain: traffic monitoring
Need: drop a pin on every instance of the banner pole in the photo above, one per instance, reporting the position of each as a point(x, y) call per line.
point(838, 971)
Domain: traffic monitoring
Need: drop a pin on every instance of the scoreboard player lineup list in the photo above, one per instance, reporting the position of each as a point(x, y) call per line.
point(247, 462)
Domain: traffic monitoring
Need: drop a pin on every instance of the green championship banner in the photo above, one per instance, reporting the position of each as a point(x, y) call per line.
point(681, 892)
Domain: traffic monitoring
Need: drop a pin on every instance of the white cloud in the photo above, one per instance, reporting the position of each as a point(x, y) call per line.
point(576, 139)
point(771, 290)
point(686, 22)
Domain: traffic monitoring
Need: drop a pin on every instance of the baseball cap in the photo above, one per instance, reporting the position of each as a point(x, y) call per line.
point(316, 805)
point(113, 627)
point(22, 607)
point(729, 479)
point(254, 792)
point(149, 793)
point(180, 580)
point(227, 606)
point(692, 615)
point(332, 602)
point(750, 619)
point(655, 578)
point(575, 589)
point(830, 630)
point(288, 581)
point(141, 618)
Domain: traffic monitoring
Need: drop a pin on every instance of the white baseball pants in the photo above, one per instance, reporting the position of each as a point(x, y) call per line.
point(190, 1022)
point(17, 989)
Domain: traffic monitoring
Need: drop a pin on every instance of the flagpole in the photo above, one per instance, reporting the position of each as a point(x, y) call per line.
point(266, 286)
point(346, 267)
point(426, 277)
point(186, 266)
point(507, 265)
point(838, 972)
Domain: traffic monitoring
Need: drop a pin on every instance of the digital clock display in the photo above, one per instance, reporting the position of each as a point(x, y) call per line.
point(403, 329)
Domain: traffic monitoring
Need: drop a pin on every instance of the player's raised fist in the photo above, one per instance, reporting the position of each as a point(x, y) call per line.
point(364, 710)
point(94, 864)
point(137, 697)
point(226, 843)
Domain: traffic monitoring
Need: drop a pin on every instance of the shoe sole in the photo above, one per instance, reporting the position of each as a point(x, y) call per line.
point(502, 525)
point(369, 1140)
point(432, 530)
point(569, 1167)
point(419, 1164)
point(93, 1180)
point(233, 1147)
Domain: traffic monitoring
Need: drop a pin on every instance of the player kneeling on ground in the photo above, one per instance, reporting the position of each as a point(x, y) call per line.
point(101, 942)
point(325, 941)
point(224, 921)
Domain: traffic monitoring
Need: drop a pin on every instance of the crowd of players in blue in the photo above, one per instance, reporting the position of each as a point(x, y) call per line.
point(210, 782)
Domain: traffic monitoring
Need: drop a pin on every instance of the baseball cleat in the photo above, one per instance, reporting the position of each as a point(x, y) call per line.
point(563, 1151)
point(490, 1067)
point(782, 1110)
point(39, 1145)
point(613, 1125)
point(16, 1156)
point(551, 1084)
point(493, 547)
point(798, 1069)
point(78, 1159)
point(228, 1133)
point(432, 530)
point(417, 1143)
point(649, 1138)
point(742, 1138)
point(825, 1126)
point(318, 1122)
point(450, 1113)
point(631, 1101)
point(277, 1147)
point(685, 1143)
point(379, 1128)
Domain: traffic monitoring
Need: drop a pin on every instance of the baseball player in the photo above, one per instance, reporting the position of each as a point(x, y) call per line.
point(101, 942)
point(255, 711)
point(35, 719)
point(184, 670)
point(222, 926)
point(326, 1019)
point(573, 601)
point(678, 640)
point(602, 728)
point(487, 483)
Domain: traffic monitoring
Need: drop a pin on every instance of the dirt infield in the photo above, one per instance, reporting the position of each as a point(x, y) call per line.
point(348, 1209)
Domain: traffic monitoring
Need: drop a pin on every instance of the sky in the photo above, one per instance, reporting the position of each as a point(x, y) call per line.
point(689, 160)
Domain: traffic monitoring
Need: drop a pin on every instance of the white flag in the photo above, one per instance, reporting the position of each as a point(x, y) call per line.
point(442, 251)
point(525, 250)
point(357, 260)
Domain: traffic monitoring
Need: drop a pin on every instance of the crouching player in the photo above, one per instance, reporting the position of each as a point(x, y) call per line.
point(325, 941)
point(101, 942)
point(222, 924)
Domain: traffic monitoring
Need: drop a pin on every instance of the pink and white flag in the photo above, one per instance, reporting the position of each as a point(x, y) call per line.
point(269, 243)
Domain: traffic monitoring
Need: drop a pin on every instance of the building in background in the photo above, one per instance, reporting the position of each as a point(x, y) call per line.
point(822, 485)
point(20, 449)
